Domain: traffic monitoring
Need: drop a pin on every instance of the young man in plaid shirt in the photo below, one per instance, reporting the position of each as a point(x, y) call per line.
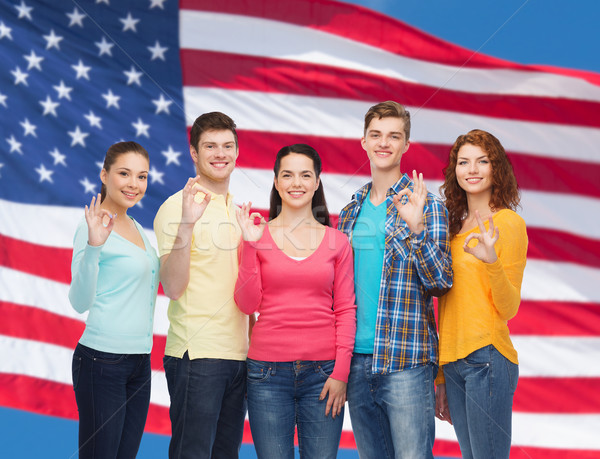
point(401, 260)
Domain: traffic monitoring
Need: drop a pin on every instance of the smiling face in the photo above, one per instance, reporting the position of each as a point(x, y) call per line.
point(385, 142)
point(296, 181)
point(126, 180)
point(215, 155)
point(474, 170)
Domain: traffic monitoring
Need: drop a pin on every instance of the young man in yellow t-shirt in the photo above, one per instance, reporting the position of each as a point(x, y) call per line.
point(198, 236)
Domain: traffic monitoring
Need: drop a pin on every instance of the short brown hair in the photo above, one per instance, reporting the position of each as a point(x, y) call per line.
point(213, 121)
point(388, 109)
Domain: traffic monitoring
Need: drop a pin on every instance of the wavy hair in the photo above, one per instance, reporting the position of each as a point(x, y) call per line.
point(505, 191)
point(318, 204)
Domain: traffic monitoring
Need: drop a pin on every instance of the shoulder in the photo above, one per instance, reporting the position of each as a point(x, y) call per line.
point(338, 238)
point(510, 219)
point(171, 205)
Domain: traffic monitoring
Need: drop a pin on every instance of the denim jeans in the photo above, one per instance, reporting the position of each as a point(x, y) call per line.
point(208, 407)
point(113, 394)
point(393, 415)
point(282, 395)
point(480, 391)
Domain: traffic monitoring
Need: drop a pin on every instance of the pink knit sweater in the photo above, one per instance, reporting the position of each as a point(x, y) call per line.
point(306, 308)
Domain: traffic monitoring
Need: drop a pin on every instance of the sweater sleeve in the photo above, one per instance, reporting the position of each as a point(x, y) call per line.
point(506, 273)
point(248, 287)
point(84, 271)
point(344, 308)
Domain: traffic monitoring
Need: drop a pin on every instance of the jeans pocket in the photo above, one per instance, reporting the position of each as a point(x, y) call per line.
point(257, 371)
point(479, 358)
point(325, 368)
point(109, 358)
point(513, 374)
point(75, 370)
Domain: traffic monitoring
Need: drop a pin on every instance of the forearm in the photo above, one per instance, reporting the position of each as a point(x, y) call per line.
point(175, 266)
point(248, 287)
point(506, 294)
point(85, 268)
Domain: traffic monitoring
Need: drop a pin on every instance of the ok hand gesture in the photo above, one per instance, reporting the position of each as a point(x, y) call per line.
point(250, 231)
point(94, 216)
point(192, 210)
point(412, 210)
point(484, 250)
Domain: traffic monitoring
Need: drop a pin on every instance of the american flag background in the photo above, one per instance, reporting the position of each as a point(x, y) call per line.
point(77, 76)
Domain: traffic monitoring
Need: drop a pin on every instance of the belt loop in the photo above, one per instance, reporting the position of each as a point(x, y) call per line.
point(273, 368)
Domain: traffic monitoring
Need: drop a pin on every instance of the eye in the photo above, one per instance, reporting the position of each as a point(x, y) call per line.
point(396, 137)
point(143, 177)
point(124, 174)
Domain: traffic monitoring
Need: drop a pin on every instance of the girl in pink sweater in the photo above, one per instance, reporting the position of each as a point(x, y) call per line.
point(296, 272)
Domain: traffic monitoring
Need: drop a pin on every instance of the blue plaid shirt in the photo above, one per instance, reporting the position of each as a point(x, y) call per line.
point(415, 267)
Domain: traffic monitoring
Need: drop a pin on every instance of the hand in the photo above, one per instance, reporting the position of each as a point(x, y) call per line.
point(335, 391)
point(412, 210)
point(441, 404)
point(484, 250)
point(192, 210)
point(250, 230)
point(94, 216)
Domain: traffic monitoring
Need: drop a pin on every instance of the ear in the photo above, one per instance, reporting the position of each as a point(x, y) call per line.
point(406, 145)
point(363, 143)
point(318, 183)
point(275, 183)
point(103, 175)
point(193, 154)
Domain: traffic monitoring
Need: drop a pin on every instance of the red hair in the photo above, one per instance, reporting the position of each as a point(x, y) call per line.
point(505, 191)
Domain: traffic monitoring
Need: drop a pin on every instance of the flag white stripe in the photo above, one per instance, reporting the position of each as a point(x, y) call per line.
point(268, 38)
point(571, 356)
point(53, 363)
point(560, 431)
point(53, 297)
point(343, 118)
point(538, 208)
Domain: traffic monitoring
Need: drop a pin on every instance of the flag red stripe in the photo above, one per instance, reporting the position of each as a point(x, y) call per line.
point(346, 156)
point(556, 318)
point(538, 395)
point(39, 325)
point(40, 260)
point(265, 74)
point(451, 449)
point(40, 396)
point(392, 35)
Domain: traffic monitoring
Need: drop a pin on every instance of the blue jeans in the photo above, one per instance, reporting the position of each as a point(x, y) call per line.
point(208, 406)
point(480, 391)
point(393, 415)
point(113, 394)
point(282, 395)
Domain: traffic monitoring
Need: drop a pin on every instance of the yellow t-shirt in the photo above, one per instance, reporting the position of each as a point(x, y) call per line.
point(484, 296)
point(205, 321)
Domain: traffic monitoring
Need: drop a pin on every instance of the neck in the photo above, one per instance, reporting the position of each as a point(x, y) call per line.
point(120, 212)
point(382, 182)
point(214, 187)
point(480, 203)
point(295, 217)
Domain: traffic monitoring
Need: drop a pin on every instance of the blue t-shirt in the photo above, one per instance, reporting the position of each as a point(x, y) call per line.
point(368, 242)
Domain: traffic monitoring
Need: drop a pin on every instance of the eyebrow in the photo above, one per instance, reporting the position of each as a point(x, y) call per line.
point(129, 170)
point(302, 172)
point(479, 157)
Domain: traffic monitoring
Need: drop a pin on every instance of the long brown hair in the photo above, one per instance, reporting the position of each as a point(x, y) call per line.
point(505, 191)
point(318, 204)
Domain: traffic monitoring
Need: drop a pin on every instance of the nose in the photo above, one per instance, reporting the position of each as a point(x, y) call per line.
point(133, 181)
point(473, 167)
